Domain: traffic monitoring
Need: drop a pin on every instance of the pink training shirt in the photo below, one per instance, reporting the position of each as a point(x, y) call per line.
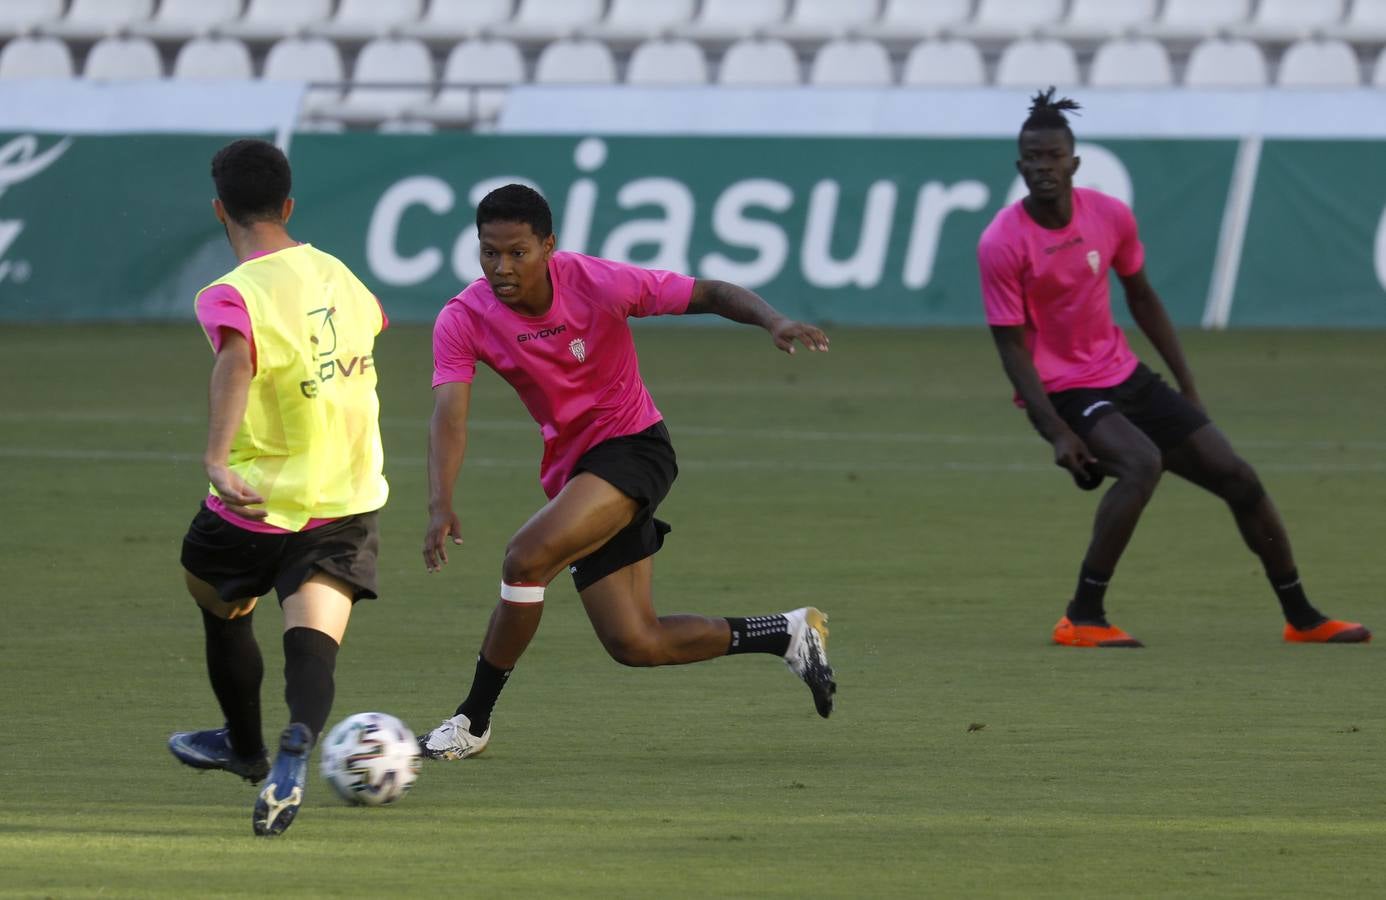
point(1055, 284)
point(222, 306)
point(574, 367)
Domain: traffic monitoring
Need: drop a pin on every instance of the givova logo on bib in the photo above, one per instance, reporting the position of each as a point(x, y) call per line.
point(21, 160)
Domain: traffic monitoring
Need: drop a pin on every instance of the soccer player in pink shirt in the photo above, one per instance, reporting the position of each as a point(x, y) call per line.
point(553, 325)
point(1044, 263)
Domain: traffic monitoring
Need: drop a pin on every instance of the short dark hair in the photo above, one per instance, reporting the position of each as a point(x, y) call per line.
point(516, 203)
point(1047, 113)
point(253, 180)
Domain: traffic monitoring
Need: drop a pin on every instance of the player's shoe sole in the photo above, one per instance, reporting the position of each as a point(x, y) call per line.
point(807, 656)
point(453, 739)
point(279, 800)
point(1329, 631)
point(1081, 634)
point(211, 749)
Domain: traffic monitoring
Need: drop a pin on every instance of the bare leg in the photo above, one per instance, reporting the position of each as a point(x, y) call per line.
point(1134, 461)
point(621, 609)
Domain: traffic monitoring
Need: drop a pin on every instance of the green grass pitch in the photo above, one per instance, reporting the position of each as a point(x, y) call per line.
point(890, 483)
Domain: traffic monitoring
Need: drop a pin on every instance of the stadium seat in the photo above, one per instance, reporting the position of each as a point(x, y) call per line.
point(123, 59)
point(575, 61)
point(450, 21)
point(213, 58)
point(1378, 79)
point(361, 20)
point(1036, 62)
point(36, 57)
point(631, 21)
point(88, 20)
point(1226, 63)
point(724, 21)
point(1194, 20)
point(851, 63)
point(179, 20)
point(1365, 24)
point(815, 21)
point(315, 60)
point(391, 75)
point(951, 62)
point(667, 62)
point(1289, 20)
point(537, 21)
point(1006, 20)
point(21, 16)
point(1100, 20)
point(268, 20)
point(1319, 63)
point(1131, 63)
point(908, 21)
point(406, 126)
point(763, 62)
point(470, 67)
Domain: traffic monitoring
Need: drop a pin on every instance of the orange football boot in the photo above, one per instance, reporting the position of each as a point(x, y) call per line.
point(1329, 631)
point(1070, 634)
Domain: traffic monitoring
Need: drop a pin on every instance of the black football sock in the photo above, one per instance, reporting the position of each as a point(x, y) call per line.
point(235, 669)
point(759, 634)
point(487, 684)
point(1087, 598)
point(310, 658)
point(1299, 612)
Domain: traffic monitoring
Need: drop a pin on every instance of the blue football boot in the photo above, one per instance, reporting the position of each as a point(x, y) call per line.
point(282, 794)
point(211, 749)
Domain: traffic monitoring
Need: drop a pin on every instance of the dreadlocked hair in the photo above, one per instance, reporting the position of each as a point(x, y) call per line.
point(1046, 112)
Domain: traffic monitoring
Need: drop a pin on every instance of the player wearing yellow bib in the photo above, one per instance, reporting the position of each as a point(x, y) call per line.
point(295, 463)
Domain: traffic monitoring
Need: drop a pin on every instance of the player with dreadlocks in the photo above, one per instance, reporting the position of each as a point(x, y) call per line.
point(1044, 263)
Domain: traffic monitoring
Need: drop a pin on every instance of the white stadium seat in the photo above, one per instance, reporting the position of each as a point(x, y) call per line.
point(123, 59)
point(1290, 20)
point(1192, 20)
point(1220, 63)
point(36, 57)
point(1365, 23)
point(576, 61)
point(909, 21)
point(472, 66)
point(667, 62)
point(1004, 20)
point(213, 58)
point(1131, 63)
point(722, 21)
point(537, 21)
point(20, 16)
point(814, 21)
point(450, 21)
point(759, 63)
point(361, 20)
point(91, 19)
point(1321, 64)
point(308, 59)
point(178, 20)
point(1035, 63)
point(631, 21)
point(391, 75)
point(1098, 20)
point(951, 62)
point(851, 63)
point(1378, 79)
point(268, 20)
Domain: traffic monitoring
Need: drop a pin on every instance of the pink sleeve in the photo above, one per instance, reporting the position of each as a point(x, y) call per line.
point(636, 291)
point(1130, 252)
point(454, 358)
point(221, 306)
point(1002, 297)
point(384, 319)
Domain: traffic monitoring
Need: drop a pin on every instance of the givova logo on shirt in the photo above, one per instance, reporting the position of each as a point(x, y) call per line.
point(324, 345)
point(21, 160)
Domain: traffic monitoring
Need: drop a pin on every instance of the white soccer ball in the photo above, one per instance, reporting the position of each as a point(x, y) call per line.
point(371, 759)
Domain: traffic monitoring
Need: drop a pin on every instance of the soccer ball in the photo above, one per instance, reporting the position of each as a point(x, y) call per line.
point(371, 759)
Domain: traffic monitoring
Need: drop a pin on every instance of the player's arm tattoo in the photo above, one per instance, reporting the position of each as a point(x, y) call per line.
point(731, 301)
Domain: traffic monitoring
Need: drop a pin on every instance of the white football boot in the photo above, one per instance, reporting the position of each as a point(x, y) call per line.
point(453, 740)
point(807, 655)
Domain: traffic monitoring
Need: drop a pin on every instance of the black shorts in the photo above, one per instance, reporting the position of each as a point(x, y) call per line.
point(1165, 415)
point(641, 466)
point(242, 564)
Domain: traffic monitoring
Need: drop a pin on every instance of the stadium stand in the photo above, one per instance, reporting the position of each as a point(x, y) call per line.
point(851, 62)
point(1031, 61)
point(629, 22)
point(1195, 20)
point(1008, 20)
point(475, 77)
point(269, 20)
point(89, 20)
point(907, 22)
point(1099, 20)
point(213, 58)
point(1365, 24)
point(448, 21)
point(1319, 63)
point(1378, 78)
point(540, 21)
point(816, 21)
point(950, 62)
point(19, 17)
point(759, 62)
point(315, 60)
point(575, 61)
point(672, 61)
point(1223, 63)
point(362, 20)
point(391, 75)
point(1131, 63)
point(180, 20)
point(36, 57)
point(1289, 20)
point(123, 59)
point(720, 22)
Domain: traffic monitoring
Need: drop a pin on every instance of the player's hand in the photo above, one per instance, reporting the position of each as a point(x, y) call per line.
point(786, 331)
point(442, 525)
point(1071, 453)
point(235, 493)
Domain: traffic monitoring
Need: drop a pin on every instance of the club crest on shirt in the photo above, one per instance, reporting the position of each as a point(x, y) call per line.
point(578, 348)
point(1094, 261)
